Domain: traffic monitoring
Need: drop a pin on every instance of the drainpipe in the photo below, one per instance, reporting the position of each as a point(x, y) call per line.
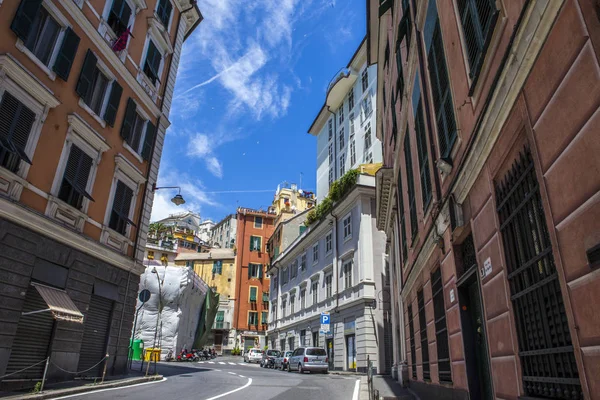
point(335, 260)
point(240, 249)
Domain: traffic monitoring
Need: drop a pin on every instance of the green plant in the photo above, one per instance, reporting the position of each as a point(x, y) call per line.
point(37, 388)
point(236, 351)
point(337, 191)
point(266, 348)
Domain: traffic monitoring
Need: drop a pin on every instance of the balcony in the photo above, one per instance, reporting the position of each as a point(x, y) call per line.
point(224, 325)
point(339, 87)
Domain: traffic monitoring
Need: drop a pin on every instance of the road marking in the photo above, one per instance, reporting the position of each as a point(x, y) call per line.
point(242, 376)
point(211, 362)
point(218, 370)
point(233, 391)
point(232, 373)
point(200, 362)
point(231, 363)
point(221, 362)
point(108, 389)
point(356, 388)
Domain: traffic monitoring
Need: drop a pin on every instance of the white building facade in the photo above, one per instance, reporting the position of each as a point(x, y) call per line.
point(223, 233)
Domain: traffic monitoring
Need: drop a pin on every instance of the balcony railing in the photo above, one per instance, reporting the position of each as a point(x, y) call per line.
point(342, 73)
point(221, 325)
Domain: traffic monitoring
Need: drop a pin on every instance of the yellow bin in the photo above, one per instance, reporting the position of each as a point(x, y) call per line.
point(151, 354)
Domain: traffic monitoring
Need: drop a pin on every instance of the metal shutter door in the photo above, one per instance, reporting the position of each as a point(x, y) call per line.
point(32, 339)
point(95, 334)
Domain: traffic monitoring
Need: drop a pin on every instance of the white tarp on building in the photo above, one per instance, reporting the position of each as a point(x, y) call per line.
point(182, 295)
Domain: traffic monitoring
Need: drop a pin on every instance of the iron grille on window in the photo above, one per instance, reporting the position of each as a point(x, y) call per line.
point(413, 355)
point(441, 330)
point(467, 250)
point(402, 217)
point(16, 121)
point(478, 18)
point(423, 334)
point(545, 347)
point(412, 208)
point(442, 98)
point(423, 156)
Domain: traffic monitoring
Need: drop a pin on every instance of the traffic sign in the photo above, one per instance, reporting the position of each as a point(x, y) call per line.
point(325, 318)
point(144, 295)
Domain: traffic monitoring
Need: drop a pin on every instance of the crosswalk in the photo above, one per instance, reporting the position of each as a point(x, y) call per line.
point(224, 363)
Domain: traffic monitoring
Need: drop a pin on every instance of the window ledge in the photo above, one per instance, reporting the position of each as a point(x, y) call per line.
point(347, 238)
point(21, 46)
point(150, 88)
point(66, 214)
point(92, 113)
point(115, 240)
point(133, 152)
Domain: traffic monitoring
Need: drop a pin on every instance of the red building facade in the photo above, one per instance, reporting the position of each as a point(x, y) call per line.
point(489, 193)
point(254, 228)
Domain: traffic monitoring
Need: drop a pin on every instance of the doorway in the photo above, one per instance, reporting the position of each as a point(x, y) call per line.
point(474, 336)
point(351, 353)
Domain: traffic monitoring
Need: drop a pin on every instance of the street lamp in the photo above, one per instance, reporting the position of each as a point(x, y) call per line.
point(177, 199)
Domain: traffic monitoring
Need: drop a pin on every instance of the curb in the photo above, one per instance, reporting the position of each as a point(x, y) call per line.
point(52, 393)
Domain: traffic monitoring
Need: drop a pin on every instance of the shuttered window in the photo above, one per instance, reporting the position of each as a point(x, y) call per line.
point(402, 217)
point(119, 217)
point(66, 55)
point(252, 318)
point(16, 121)
point(405, 26)
point(119, 15)
point(442, 98)
point(77, 172)
point(253, 291)
point(42, 37)
point(423, 334)
point(152, 63)
point(217, 267)
point(137, 132)
point(255, 271)
point(93, 87)
point(423, 155)
point(24, 18)
point(412, 208)
point(441, 329)
point(413, 354)
point(163, 11)
point(478, 18)
point(264, 318)
point(112, 106)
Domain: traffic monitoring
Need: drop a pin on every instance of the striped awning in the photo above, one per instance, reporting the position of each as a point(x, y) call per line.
point(60, 304)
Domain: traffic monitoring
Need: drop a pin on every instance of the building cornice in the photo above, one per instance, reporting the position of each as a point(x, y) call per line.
point(10, 67)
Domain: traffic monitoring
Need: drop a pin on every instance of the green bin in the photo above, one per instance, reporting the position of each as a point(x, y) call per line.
point(137, 349)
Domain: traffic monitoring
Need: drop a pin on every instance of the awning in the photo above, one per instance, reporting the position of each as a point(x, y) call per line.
point(61, 305)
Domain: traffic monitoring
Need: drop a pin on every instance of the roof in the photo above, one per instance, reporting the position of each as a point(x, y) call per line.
point(213, 254)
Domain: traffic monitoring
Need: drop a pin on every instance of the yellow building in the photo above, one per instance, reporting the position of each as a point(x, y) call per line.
point(217, 268)
point(289, 201)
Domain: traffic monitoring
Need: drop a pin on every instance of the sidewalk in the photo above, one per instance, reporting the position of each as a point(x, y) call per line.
point(388, 388)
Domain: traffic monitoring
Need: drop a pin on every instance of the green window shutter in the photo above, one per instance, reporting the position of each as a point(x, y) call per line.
point(148, 141)
point(477, 19)
point(249, 271)
point(152, 62)
point(77, 171)
point(302, 229)
point(66, 54)
point(260, 271)
point(265, 318)
point(423, 156)
point(23, 21)
point(265, 297)
point(121, 205)
point(128, 120)
point(253, 291)
point(16, 121)
point(113, 103)
point(86, 77)
point(220, 316)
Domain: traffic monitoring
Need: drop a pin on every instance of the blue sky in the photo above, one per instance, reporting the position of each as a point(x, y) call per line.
point(251, 80)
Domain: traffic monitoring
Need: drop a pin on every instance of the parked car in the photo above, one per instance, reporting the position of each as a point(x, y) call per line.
point(282, 361)
point(268, 358)
point(253, 355)
point(308, 359)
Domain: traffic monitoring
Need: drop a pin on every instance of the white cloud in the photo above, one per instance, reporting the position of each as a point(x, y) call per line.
point(214, 166)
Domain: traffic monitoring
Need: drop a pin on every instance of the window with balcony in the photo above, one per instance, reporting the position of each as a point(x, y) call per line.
point(119, 216)
point(152, 62)
point(137, 131)
point(16, 122)
point(119, 16)
point(73, 188)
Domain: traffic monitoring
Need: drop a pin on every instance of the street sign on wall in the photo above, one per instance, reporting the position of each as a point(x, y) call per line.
point(325, 322)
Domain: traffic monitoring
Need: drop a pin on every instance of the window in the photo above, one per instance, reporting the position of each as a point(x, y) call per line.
point(137, 132)
point(315, 292)
point(366, 108)
point(351, 99)
point(118, 17)
point(442, 98)
point(294, 269)
point(423, 334)
point(341, 138)
point(302, 299)
point(150, 255)
point(152, 62)
point(219, 319)
point(330, 176)
point(255, 271)
point(163, 10)
point(347, 274)
point(369, 158)
point(93, 88)
point(77, 172)
point(341, 115)
point(285, 276)
point(342, 164)
point(365, 80)
point(252, 318)
point(43, 34)
point(394, 134)
point(413, 353)
point(119, 216)
point(478, 18)
point(423, 156)
point(16, 121)
point(441, 330)
point(292, 302)
point(402, 217)
point(328, 289)
point(328, 244)
point(217, 267)
point(253, 294)
point(255, 243)
point(347, 227)
point(368, 138)
point(411, 186)
point(316, 253)
point(330, 125)
point(351, 120)
point(330, 153)
point(258, 222)
point(352, 153)
point(303, 262)
point(264, 318)
point(283, 308)
point(265, 297)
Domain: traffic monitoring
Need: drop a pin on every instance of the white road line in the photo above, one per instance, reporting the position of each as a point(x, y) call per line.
point(232, 391)
point(232, 373)
point(242, 364)
point(211, 362)
point(356, 390)
point(221, 362)
point(200, 362)
point(242, 376)
point(231, 363)
point(218, 370)
point(108, 389)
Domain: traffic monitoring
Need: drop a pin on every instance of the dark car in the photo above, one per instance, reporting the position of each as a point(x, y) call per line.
point(268, 358)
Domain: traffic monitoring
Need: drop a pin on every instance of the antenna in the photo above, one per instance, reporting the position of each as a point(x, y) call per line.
point(300, 181)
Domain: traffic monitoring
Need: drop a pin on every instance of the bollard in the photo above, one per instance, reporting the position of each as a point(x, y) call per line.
point(45, 372)
point(104, 369)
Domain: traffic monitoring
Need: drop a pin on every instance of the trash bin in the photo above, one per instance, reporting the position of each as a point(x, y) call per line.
point(137, 349)
point(151, 354)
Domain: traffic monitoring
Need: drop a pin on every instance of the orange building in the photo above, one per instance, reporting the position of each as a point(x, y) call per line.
point(254, 228)
point(84, 107)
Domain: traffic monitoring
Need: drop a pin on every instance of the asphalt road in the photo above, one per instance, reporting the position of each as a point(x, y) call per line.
point(229, 378)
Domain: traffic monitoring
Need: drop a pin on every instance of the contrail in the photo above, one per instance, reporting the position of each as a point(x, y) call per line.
point(206, 82)
point(240, 191)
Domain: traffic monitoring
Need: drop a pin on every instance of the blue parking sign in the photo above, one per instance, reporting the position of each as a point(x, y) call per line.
point(325, 318)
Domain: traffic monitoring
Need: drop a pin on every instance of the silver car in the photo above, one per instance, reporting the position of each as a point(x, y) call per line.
point(282, 361)
point(253, 355)
point(309, 359)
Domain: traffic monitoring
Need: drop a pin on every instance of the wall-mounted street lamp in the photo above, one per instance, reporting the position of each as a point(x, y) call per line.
point(177, 199)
